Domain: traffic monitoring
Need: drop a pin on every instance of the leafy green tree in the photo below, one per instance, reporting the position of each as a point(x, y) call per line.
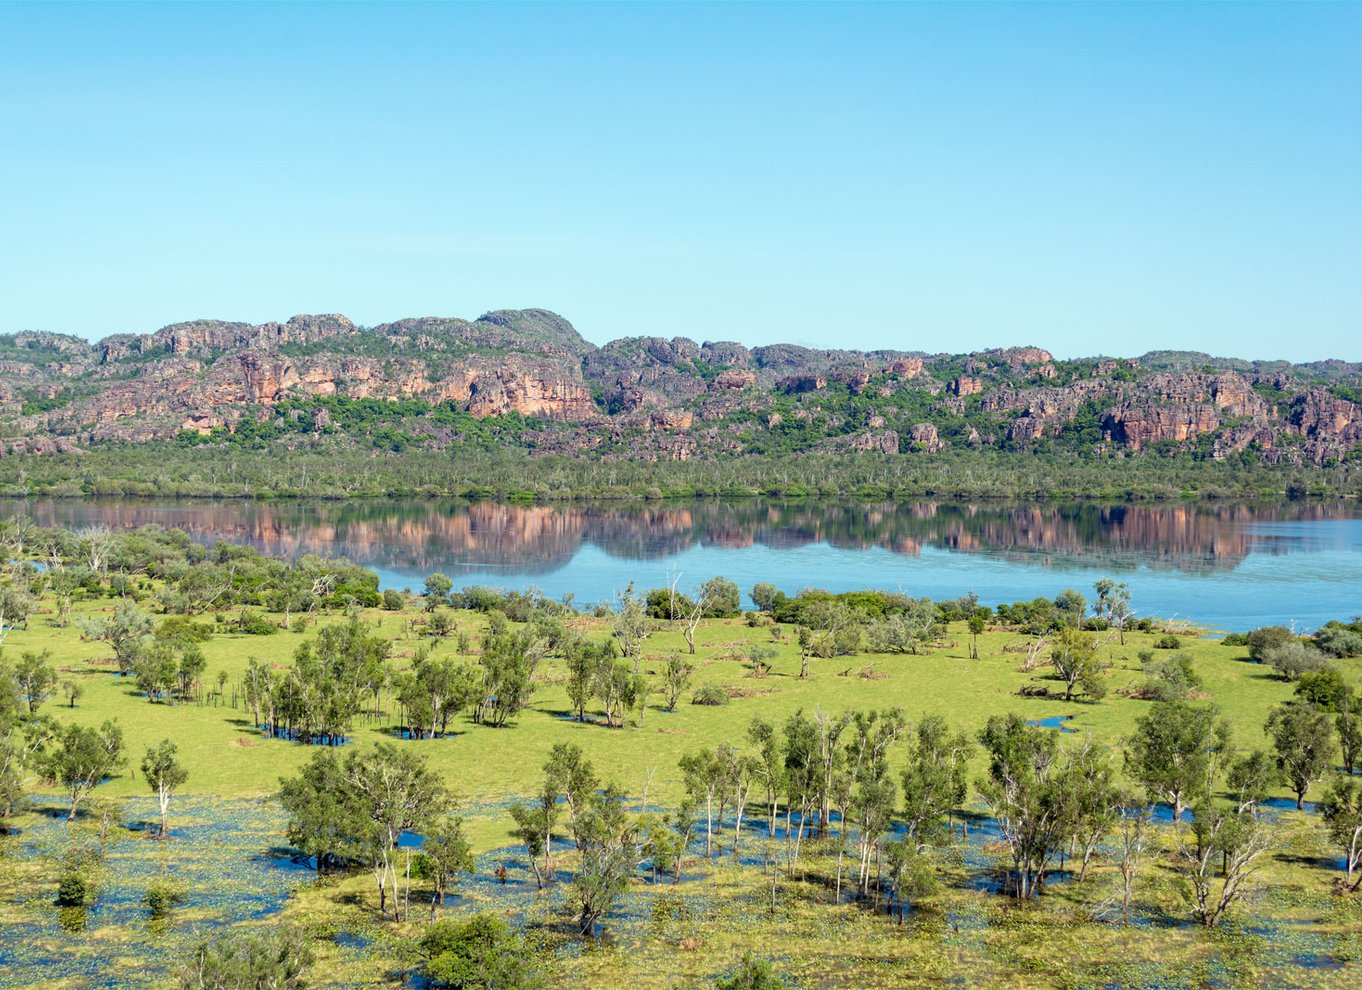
point(609, 854)
point(37, 680)
point(1251, 778)
point(1025, 791)
point(164, 775)
point(909, 873)
point(1219, 852)
point(509, 660)
point(1075, 658)
point(393, 791)
point(934, 780)
point(1342, 813)
point(438, 587)
point(124, 631)
point(630, 626)
point(323, 821)
point(1304, 740)
point(482, 953)
point(722, 598)
point(676, 677)
point(1326, 689)
point(249, 959)
point(534, 827)
point(1091, 796)
point(570, 775)
point(1071, 607)
point(764, 595)
point(1348, 724)
point(445, 855)
point(977, 624)
point(82, 757)
point(1260, 641)
point(1177, 751)
point(1113, 605)
point(769, 766)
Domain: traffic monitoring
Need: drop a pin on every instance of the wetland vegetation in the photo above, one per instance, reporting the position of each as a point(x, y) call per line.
point(217, 763)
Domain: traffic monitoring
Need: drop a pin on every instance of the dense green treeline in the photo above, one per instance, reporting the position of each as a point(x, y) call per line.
point(334, 468)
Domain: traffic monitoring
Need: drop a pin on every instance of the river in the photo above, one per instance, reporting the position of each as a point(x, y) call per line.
point(1227, 566)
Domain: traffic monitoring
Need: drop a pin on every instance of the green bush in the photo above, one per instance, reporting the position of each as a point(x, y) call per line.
point(160, 897)
point(709, 694)
point(73, 890)
point(478, 954)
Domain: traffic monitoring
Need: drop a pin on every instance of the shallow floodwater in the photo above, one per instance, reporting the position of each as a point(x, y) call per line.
point(1227, 566)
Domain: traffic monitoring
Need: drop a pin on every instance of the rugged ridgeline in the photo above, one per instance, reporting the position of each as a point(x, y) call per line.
point(527, 378)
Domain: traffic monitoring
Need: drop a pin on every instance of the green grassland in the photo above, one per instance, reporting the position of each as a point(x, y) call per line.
point(681, 936)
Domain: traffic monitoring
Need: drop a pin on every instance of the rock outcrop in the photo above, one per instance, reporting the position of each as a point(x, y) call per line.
point(653, 397)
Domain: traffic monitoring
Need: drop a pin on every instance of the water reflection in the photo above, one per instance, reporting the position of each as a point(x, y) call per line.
point(1233, 566)
point(422, 536)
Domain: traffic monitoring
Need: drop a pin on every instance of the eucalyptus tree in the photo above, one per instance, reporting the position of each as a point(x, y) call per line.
point(609, 854)
point(81, 757)
point(910, 874)
point(569, 775)
point(1113, 605)
point(1219, 853)
point(1250, 779)
point(630, 626)
point(1134, 831)
point(802, 776)
point(1090, 791)
point(273, 959)
point(433, 691)
point(676, 677)
point(164, 775)
point(1177, 752)
point(934, 779)
point(1348, 725)
point(1304, 741)
point(1342, 813)
point(1076, 661)
point(1025, 790)
point(509, 660)
point(36, 678)
point(769, 766)
point(124, 631)
point(873, 794)
point(397, 792)
point(702, 773)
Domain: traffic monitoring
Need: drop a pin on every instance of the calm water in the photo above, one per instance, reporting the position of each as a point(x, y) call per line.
point(1232, 567)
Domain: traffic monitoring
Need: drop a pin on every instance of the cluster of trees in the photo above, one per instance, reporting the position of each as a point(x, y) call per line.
point(351, 811)
point(331, 469)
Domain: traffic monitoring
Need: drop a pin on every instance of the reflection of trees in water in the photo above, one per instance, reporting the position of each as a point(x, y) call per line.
point(424, 536)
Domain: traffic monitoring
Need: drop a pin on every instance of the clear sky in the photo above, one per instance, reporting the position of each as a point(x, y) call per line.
point(1092, 178)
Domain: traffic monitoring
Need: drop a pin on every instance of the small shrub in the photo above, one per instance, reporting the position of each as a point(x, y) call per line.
point(73, 890)
point(709, 694)
point(1234, 639)
point(393, 600)
point(160, 897)
point(1168, 642)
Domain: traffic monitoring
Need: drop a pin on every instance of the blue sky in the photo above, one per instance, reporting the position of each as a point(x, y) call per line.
point(1093, 178)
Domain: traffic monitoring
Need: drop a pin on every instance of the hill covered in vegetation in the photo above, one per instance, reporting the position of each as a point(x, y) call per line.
point(527, 381)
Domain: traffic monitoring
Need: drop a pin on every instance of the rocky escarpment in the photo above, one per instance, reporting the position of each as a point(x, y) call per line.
point(652, 397)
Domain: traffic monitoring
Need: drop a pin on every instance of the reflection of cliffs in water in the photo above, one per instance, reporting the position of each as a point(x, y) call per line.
point(421, 537)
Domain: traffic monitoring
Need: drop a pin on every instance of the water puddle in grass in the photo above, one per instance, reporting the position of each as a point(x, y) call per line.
point(1054, 722)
